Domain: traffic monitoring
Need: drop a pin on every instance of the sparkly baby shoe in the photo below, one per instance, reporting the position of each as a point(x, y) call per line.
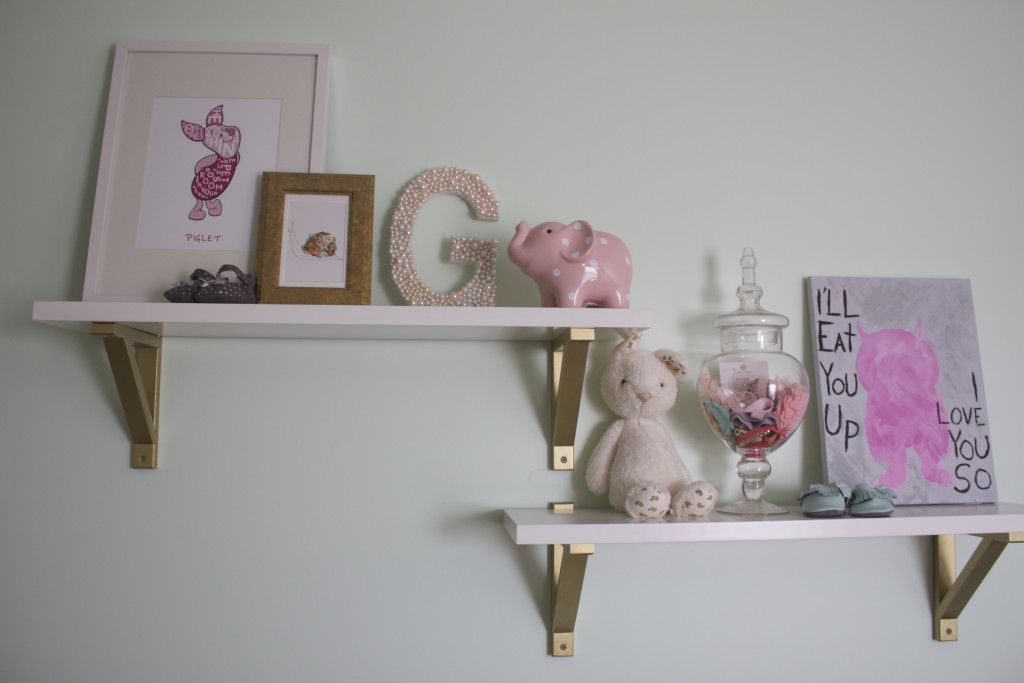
point(872, 501)
point(825, 500)
point(231, 286)
point(184, 291)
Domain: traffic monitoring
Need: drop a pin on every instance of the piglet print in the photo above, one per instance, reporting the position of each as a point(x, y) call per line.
point(213, 173)
point(900, 371)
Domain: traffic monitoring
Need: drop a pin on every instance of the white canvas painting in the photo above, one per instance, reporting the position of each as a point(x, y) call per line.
point(901, 396)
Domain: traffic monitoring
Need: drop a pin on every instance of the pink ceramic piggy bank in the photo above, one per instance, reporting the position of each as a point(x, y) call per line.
point(574, 265)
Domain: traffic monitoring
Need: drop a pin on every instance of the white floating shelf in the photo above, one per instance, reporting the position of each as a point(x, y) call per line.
point(547, 527)
point(342, 322)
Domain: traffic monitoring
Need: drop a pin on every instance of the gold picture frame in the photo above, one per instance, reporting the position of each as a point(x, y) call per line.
point(315, 239)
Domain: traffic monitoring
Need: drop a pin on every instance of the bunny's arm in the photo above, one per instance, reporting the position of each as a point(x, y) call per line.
point(600, 464)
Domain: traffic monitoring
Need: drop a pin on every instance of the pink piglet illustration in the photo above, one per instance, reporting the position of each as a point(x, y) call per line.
point(213, 173)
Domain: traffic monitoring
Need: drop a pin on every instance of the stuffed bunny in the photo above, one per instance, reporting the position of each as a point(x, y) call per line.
point(636, 462)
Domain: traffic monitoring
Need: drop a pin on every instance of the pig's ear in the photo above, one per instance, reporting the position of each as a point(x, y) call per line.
point(216, 116)
point(193, 131)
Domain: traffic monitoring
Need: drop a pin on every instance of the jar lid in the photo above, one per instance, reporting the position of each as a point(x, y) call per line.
point(750, 313)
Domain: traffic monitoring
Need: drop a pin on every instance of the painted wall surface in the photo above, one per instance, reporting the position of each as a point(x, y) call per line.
point(331, 511)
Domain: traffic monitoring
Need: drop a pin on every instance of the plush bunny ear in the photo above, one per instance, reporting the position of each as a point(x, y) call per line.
point(673, 361)
point(620, 349)
point(626, 345)
point(577, 241)
point(193, 131)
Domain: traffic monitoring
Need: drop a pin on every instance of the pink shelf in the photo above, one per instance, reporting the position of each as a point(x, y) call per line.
point(545, 527)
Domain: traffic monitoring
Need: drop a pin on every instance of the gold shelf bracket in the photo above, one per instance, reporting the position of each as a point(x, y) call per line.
point(568, 566)
point(952, 592)
point(135, 363)
point(568, 364)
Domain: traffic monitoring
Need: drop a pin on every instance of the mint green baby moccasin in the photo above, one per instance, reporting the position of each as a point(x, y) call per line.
point(872, 501)
point(825, 500)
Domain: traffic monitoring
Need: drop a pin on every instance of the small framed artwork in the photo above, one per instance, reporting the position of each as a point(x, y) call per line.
point(315, 239)
point(190, 128)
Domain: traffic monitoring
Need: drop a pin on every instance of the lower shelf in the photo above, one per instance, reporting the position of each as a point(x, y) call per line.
point(547, 527)
point(573, 534)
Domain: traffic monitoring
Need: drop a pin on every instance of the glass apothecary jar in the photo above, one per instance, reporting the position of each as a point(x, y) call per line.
point(753, 395)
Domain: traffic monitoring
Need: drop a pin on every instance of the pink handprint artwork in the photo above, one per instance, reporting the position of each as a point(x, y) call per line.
point(901, 395)
point(213, 173)
point(899, 371)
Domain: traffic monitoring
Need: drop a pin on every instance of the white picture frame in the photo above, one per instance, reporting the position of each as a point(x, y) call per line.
point(280, 88)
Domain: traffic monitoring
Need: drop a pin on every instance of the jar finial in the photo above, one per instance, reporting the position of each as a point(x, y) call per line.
point(749, 293)
point(749, 314)
point(748, 262)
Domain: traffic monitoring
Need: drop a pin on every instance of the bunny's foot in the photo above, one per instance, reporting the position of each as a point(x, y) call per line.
point(695, 500)
point(647, 501)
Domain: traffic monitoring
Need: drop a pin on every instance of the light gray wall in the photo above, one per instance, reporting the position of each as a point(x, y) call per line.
point(331, 511)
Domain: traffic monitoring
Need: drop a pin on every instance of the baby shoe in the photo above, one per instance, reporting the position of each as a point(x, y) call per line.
point(825, 500)
point(872, 501)
point(184, 291)
point(231, 286)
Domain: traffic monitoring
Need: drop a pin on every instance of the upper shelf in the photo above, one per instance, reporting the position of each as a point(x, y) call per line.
point(342, 322)
point(547, 527)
